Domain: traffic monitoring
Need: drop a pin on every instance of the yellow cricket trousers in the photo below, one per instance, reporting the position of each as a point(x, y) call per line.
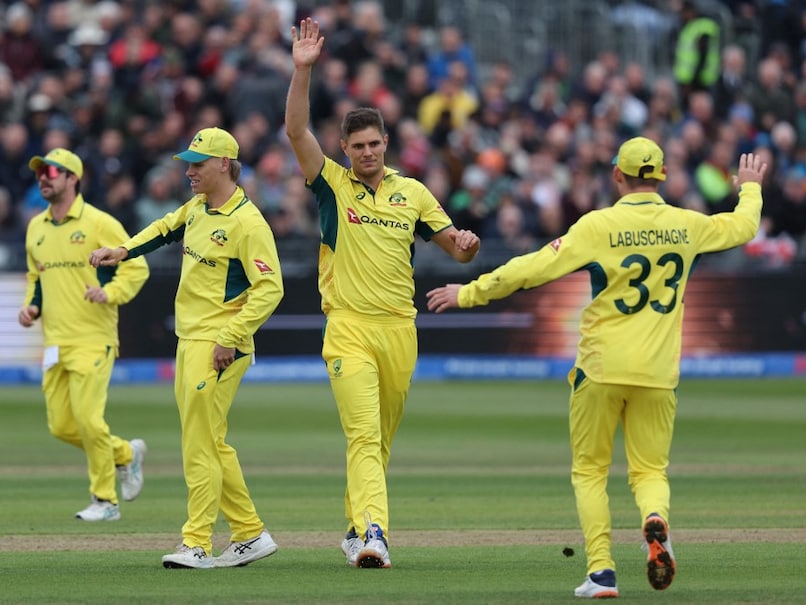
point(75, 391)
point(213, 473)
point(370, 362)
point(647, 419)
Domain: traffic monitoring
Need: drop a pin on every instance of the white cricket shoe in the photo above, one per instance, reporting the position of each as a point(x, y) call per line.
point(599, 585)
point(186, 557)
point(351, 546)
point(131, 475)
point(99, 510)
point(238, 554)
point(375, 552)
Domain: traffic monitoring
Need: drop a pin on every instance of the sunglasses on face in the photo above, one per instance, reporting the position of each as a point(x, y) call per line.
point(49, 171)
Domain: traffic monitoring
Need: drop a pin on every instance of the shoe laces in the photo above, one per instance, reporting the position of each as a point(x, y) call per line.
point(372, 534)
point(374, 531)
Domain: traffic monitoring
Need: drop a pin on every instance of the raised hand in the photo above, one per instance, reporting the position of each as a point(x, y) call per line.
point(751, 170)
point(307, 46)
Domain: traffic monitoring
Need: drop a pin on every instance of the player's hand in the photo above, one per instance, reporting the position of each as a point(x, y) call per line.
point(751, 170)
point(28, 315)
point(306, 46)
point(95, 294)
point(443, 298)
point(222, 357)
point(106, 257)
point(465, 240)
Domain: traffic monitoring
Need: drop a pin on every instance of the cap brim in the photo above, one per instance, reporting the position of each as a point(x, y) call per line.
point(38, 160)
point(192, 156)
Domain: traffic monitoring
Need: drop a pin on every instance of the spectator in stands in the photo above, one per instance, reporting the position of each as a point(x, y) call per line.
point(159, 197)
point(591, 85)
point(790, 217)
point(732, 85)
point(452, 48)
point(697, 51)
point(415, 89)
point(467, 206)
point(20, 50)
point(713, 177)
point(14, 153)
point(358, 27)
point(332, 85)
point(545, 103)
point(450, 105)
point(511, 227)
point(629, 113)
point(770, 98)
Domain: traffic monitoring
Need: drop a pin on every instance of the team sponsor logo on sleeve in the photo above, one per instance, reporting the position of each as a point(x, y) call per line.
point(262, 267)
point(556, 244)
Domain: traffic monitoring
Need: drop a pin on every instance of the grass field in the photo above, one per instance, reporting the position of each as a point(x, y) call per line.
point(480, 497)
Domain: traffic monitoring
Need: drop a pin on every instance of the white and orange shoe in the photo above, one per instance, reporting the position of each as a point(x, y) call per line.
point(660, 563)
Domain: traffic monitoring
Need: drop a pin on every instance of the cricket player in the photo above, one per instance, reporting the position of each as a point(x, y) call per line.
point(369, 215)
point(230, 284)
point(640, 253)
point(78, 306)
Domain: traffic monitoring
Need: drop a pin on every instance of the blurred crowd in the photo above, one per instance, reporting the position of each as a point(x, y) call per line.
point(126, 83)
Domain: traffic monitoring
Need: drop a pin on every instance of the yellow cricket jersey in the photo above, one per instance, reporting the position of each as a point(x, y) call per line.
point(59, 273)
point(231, 280)
point(639, 253)
point(366, 256)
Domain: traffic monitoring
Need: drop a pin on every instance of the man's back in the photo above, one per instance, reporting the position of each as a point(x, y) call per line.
point(640, 254)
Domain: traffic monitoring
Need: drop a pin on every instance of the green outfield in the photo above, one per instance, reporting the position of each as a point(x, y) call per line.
point(480, 495)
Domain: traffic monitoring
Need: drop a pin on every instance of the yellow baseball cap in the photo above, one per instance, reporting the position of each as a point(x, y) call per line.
point(641, 157)
point(61, 158)
point(210, 143)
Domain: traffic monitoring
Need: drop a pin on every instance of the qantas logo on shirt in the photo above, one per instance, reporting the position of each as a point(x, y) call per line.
point(60, 265)
point(198, 257)
point(262, 267)
point(218, 237)
point(363, 219)
point(556, 244)
point(78, 237)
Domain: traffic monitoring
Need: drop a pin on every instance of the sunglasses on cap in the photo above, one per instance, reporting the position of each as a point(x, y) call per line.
point(49, 170)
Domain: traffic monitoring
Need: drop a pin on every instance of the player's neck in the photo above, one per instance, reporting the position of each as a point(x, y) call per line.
point(220, 195)
point(60, 207)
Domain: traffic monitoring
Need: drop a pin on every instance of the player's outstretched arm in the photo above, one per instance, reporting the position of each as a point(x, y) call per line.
point(107, 257)
point(443, 298)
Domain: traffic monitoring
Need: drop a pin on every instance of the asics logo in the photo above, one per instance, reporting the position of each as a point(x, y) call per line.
point(244, 546)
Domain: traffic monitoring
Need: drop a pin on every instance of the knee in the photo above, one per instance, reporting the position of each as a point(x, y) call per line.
point(61, 430)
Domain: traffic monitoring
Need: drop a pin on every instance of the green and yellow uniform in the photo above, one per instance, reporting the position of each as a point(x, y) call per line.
point(229, 285)
point(81, 337)
point(640, 254)
point(366, 279)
